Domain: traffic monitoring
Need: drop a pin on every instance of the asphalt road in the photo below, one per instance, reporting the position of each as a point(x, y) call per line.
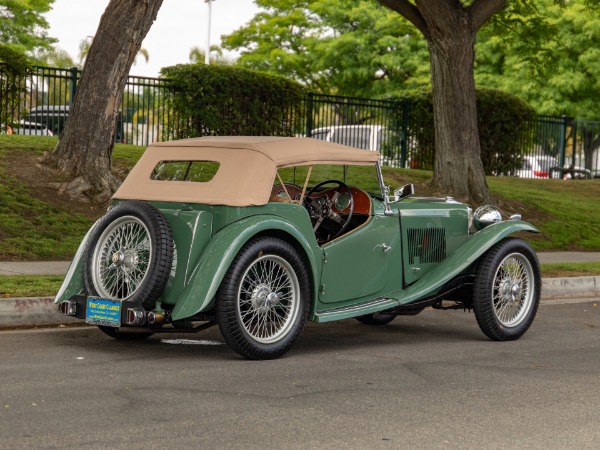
point(428, 381)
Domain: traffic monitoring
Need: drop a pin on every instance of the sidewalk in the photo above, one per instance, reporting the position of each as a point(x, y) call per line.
point(38, 311)
point(61, 267)
point(567, 257)
point(34, 268)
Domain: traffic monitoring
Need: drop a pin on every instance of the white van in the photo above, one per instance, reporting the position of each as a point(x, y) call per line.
point(368, 137)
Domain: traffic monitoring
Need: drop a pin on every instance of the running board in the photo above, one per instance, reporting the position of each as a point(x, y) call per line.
point(347, 312)
point(393, 304)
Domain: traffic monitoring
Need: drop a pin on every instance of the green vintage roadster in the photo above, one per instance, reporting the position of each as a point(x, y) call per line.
point(260, 234)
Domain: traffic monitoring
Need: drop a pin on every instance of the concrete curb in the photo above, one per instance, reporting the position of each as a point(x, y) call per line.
point(31, 312)
point(571, 288)
point(41, 311)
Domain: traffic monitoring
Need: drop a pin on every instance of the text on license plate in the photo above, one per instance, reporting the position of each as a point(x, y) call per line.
point(102, 311)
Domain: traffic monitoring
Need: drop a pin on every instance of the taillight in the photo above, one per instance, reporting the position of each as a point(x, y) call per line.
point(68, 307)
point(135, 317)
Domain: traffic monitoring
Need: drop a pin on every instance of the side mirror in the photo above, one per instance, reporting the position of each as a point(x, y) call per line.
point(404, 192)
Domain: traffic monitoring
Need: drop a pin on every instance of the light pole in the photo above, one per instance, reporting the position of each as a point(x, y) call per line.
point(207, 52)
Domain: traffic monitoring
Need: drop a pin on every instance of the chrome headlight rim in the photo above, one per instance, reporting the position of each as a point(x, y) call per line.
point(486, 215)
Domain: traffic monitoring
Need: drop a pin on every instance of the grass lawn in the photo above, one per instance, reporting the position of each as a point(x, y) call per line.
point(567, 212)
point(34, 226)
point(48, 285)
point(29, 285)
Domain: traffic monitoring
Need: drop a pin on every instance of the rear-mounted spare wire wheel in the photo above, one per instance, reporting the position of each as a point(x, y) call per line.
point(130, 254)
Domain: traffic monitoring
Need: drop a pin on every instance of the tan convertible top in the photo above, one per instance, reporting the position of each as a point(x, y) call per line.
point(247, 167)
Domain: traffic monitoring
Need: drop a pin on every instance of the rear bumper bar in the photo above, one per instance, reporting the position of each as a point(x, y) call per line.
point(132, 313)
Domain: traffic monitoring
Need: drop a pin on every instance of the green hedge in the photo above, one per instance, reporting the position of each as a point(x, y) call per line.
point(505, 124)
point(222, 100)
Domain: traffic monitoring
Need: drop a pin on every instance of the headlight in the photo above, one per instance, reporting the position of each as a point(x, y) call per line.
point(486, 215)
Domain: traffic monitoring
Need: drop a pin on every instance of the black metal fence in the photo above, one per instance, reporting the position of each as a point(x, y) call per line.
point(143, 117)
point(146, 116)
point(377, 125)
point(557, 147)
point(563, 148)
point(556, 144)
point(583, 146)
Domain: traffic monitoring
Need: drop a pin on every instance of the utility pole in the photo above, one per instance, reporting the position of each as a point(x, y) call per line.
point(207, 52)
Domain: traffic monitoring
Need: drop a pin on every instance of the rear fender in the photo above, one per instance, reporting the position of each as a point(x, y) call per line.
point(461, 259)
point(73, 282)
point(205, 278)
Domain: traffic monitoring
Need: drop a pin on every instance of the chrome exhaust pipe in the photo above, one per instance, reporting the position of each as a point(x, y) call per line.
point(155, 317)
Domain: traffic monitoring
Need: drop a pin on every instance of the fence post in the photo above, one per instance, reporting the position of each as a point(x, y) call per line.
point(574, 142)
point(72, 84)
point(562, 145)
point(309, 114)
point(404, 134)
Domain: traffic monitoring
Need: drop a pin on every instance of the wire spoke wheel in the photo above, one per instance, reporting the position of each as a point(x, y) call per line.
point(506, 291)
point(268, 299)
point(122, 258)
point(512, 295)
point(263, 300)
point(129, 254)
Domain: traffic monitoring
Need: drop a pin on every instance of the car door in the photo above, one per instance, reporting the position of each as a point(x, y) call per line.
point(356, 264)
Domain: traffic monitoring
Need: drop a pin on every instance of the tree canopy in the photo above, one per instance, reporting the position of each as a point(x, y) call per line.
point(23, 26)
point(545, 52)
point(553, 64)
point(346, 47)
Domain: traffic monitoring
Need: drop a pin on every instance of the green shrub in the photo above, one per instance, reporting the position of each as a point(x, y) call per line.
point(14, 68)
point(505, 124)
point(222, 100)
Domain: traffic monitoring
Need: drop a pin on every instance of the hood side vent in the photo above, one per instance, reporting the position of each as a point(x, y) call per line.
point(426, 245)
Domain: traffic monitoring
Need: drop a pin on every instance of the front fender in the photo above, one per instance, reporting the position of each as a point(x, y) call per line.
point(461, 259)
point(199, 293)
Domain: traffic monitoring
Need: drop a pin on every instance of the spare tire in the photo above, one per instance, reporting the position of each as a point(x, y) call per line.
point(130, 254)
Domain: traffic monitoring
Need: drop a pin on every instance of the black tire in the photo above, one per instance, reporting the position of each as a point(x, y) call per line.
point(377, 318)
point(507, 287)
point(121, 336)
point(261, 316)
point(130, 254)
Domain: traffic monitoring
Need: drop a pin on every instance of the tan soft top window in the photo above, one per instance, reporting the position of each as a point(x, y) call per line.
point(194, 171)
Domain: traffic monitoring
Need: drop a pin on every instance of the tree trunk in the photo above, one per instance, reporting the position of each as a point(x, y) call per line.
point(457, 166)
point(450, 28)
point(84, 152)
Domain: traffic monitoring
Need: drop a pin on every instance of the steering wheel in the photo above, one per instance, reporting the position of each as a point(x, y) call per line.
point(322, 207)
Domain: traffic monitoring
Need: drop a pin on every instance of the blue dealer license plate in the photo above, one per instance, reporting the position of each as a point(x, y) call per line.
point(102, 311)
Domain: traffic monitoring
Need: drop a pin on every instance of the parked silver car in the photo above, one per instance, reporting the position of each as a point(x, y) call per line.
point(31, 129)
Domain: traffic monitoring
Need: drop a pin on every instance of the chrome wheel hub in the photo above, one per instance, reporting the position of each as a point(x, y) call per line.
point(511, 290)
point(264, 299)
point(117, 258)
point(127, 260)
